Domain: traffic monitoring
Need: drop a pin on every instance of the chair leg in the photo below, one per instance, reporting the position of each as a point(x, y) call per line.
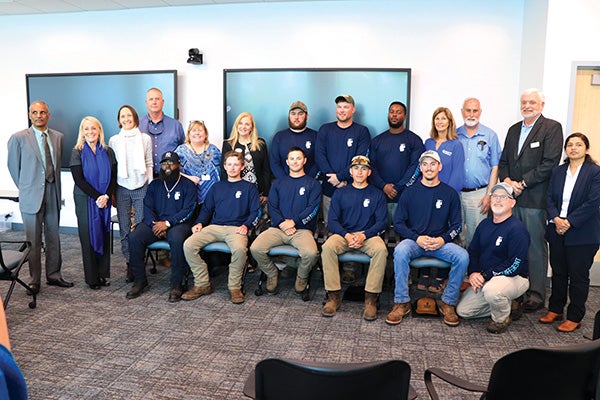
point(32, 304)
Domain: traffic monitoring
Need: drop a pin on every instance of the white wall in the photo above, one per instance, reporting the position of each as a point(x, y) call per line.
point(455, 49)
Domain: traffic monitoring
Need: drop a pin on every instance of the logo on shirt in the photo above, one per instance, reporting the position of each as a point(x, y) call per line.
point(177, 195)
point(498, 241)
point(302, 191)
point(447, 152)
point(307, 144)
point(438, 204)
point(366, 203)
point(238, 150)
point(402, 147)
point(238, 194)
point(349, 142)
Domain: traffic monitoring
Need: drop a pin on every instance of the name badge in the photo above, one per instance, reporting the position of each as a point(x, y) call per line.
point(534, 145)
point(205, 177)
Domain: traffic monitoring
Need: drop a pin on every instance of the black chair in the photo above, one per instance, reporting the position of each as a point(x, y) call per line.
point(302, 380)
point(550, 374)
point(11, 262)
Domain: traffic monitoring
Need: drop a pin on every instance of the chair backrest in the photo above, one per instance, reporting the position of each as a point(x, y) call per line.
point(554, 373)
point(292, 380)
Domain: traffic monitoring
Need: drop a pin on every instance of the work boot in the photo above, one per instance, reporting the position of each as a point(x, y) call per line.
point(272, 283)
point(334, 300)
point(237, 297)
point(196, 292)
point(370, 313)
point(300, 285)
point(449, 313)
point(398, 312)
point(498, 327)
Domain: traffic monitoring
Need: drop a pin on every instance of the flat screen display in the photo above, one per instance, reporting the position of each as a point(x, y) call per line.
point(72, 96)
point(268, 93)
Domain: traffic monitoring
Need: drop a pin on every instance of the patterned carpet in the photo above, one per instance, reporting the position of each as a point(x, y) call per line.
point(84, 344)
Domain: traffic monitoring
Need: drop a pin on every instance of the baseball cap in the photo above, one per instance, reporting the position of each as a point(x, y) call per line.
point(431, 154)
point(170, 156)
point(344, 97)
point(300, 105)
point(360, 160)
point(504, 186)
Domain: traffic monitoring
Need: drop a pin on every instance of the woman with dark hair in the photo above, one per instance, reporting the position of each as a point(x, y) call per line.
point(573, 231)
point(133, 150)
point(94, 170)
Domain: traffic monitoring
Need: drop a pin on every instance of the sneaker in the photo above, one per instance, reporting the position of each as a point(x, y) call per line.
point(137, 290)
point(237, 297)
point(498, 327)
point(196, 292)
point(348, 276)
point(398, 312)
point(423, 282)
point(272, 284)
point(300, 285)
point(449, 313)
point(437, 285)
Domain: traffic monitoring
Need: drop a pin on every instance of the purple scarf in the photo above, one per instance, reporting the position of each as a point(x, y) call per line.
point(96, 171)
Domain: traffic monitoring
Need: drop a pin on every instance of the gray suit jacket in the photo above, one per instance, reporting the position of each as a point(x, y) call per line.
point(26, 167)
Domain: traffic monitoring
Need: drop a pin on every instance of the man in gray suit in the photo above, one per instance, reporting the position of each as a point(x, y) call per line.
point(34, 164)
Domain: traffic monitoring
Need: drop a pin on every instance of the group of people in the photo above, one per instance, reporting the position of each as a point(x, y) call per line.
point(168, 185)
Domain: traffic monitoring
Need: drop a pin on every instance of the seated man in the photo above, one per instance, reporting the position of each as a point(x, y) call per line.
point(169, 207)
point(232, 207)
point(293, 204)
point(428, 217)
point(497, 263)
point(358, 214)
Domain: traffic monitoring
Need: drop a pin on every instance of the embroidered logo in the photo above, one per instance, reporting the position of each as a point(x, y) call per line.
point(302, 191)
point(498, 241)
point(307, 144)
point(349, 142)
point(238, 194)
point(239, 150)
point(438, 204)
point(402, 147)
point(177, 195)
point(366, 203)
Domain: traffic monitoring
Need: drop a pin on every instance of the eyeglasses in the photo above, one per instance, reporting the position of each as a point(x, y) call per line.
point(157, 128)
point(500, 196)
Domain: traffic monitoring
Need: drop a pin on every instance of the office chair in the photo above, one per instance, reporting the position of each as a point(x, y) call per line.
point(11, 262)
point(302, 380)
point(537, 373)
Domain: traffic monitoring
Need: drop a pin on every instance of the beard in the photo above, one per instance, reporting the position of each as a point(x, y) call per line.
point(297, 128)
point(396, 125)
point(169, 175)
point(471, 122)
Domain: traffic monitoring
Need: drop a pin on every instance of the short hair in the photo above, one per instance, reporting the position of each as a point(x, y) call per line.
point(451, 131)
point(399, 103)
point(537, 91)
point(194, 124)
point(157, 89)
point(81, 137)
point(232, 153)
point(470, 99)
point(296, 148)
point(136, 118)
point(39, 102)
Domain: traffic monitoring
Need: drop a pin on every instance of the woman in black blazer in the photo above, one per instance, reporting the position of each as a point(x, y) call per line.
point(573, 231)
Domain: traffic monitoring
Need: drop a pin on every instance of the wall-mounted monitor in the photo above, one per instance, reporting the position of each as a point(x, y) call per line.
point(268, 93)
point(72, 96)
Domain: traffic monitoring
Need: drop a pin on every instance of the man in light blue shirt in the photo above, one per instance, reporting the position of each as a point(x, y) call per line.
point(482, 154)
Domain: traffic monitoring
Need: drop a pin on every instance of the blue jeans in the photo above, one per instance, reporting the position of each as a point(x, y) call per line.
point(408, 249)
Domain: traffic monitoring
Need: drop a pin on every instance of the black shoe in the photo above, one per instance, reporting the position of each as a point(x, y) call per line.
point(532, 306)
point(103, 282)
point(175, 295)
point(60, 282)
point(516, 310)
point(94, 287)
point(34, 287)
point(137, 290)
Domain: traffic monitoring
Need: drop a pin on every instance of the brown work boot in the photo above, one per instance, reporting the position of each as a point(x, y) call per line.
point(272, 283)
point(370, 313)
point(196, 292)
point(237, 297)
point(300, 284)
point(398, 312)
point(449, 314)
point(334, 300)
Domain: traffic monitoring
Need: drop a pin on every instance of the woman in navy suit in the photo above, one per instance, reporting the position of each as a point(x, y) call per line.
point(573, 231)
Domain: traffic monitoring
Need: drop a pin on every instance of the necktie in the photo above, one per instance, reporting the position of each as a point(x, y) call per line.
point(49, 166)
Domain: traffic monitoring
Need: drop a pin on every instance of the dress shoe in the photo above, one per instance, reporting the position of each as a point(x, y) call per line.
point(532, 306)
point(103, 281)
point(60, 282)
point(568, 326)
point(175, 294)
point(550, 317)
point(94, 287)
point(35, 288)
point(137, 290)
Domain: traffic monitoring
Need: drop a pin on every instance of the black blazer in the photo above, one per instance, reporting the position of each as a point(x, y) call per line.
point(584, 207)
point(540, 153)
point(261, 165)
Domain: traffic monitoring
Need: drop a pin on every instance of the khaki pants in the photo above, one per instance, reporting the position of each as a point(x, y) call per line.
point(238, 244)
point(374, 247)
point(302, 240)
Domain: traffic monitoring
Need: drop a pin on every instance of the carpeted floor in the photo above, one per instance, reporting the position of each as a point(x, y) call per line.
point(84, 344)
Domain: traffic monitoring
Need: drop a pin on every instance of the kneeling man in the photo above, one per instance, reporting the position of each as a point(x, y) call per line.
point(498, 265)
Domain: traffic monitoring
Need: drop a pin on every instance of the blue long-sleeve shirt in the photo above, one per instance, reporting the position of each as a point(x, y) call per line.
point(358, 210)
point(281, 144)
point(335, 148)
point(395, 159)
point(432, 211)
point(171, 135)
point(231, 204)
point(176, 207)
point(499, 249)
point(295, 198)
point(452, 155)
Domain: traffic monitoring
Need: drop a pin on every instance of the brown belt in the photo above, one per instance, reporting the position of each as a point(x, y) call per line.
point(472, 190)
